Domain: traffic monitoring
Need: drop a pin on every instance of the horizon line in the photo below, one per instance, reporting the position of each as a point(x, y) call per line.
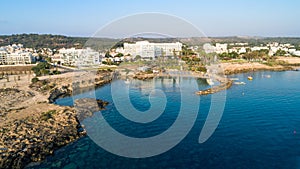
point(223, 36)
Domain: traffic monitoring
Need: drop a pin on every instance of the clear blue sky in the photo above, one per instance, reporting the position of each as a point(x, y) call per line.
point(213, 17)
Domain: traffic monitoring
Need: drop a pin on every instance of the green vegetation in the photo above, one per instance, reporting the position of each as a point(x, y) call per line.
point(55, 72)
point(137, 57)
point(37, 41)
point(48, 115)
point(227, 56)
point(194, 63)
point(58, 41)
point(42, 68)
point(256, 55)
point(119, 55)
point(280, 52)
point(234, 61)
point(34, 80)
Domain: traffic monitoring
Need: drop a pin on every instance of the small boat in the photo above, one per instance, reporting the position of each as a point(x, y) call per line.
point(210, 82)
point(234, 78)
point(239, 83)
point(250, 78)
point(127, 81)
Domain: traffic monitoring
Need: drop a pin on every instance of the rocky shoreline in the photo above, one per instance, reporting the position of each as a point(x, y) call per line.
point(230, 72)
point(32, 127)
point(223, 86)
point(33, 138)
point(230, 68)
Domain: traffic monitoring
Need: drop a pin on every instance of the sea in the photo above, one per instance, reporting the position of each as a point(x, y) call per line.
point(256, 127)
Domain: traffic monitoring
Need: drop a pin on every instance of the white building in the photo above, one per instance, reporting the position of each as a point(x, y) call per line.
point(242, 50)
point(297, 53)
point(149, 50)
point(20, 58)
point(3, 57)
point(16, 58)
point(76, 57)
point(257, 48)
point(221, 48)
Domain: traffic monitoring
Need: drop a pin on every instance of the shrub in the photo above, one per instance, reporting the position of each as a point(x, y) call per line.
point(56, 72)
point(34, 80)
point(48, 115)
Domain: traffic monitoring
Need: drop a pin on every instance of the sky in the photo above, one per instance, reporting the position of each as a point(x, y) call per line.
point(267, 18)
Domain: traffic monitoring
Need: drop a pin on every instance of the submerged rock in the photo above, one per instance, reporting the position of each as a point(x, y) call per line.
point(85, 107)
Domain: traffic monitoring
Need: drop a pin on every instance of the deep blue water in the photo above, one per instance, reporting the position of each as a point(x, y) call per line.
point(260, 128)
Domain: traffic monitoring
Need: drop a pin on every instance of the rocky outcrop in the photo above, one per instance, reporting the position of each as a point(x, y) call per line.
point(10, 99)
point(33, 138)
point(85, 107)
point(58, 93)
point(222, 86)
point(244, 70)
point(39, 128)
point(143, 76)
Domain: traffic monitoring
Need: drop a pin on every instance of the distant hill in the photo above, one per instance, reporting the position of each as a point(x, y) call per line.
point(54, 41)
point(59, 41)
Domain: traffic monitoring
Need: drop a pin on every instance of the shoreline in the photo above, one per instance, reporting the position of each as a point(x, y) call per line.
point(39, 104)
point(32, 126)
point(236, 68)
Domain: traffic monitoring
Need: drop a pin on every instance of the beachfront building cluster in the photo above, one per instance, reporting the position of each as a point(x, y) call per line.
point(147, 50)
point(15, 55)
point(88, 56)
point(75, 57)
point(241, 48)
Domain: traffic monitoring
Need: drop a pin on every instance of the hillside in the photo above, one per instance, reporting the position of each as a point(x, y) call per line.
point(59, 41)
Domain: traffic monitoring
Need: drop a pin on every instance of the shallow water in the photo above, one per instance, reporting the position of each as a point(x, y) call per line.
point(260, 128)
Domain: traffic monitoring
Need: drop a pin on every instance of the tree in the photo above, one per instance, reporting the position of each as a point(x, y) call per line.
point(41, 68)
point(233, 55)
point(107, 55)
point(48, 59)
point(138, 57)
point(119, 55)
point(34, 80)
point(280, 52)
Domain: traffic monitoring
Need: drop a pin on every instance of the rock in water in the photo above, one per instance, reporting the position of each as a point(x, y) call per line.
point(87, 106)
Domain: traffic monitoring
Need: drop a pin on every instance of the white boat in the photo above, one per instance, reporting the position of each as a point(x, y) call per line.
point(268, 76)
point(127, 81)
point(234, 78)
point(239, 83)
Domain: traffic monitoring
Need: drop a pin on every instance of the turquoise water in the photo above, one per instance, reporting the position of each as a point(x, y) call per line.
point(260, 128)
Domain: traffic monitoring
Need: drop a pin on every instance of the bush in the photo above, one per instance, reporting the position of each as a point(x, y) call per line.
point(56, 72)
point(201, 69)
point(48, 115)
point(41, 68)
point(34, 80)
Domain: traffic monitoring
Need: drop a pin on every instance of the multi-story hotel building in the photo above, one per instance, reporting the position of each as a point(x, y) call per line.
point(149, 50)
point(75, 57)
point(16, 58)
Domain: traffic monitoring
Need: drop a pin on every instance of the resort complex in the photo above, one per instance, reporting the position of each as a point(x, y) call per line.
point(15, 55)
point(149, 50)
